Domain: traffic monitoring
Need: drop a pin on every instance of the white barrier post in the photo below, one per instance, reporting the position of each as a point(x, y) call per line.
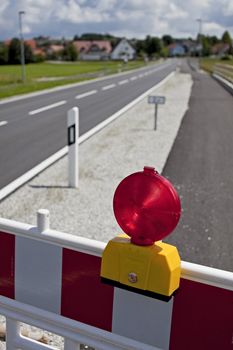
point(43, 220)
point(12, 333)
point(73, 134)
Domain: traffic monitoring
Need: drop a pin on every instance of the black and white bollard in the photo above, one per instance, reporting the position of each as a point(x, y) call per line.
point(73, 134)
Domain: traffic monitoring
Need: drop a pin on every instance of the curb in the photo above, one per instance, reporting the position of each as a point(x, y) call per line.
point(14, 185)
point(225, 83)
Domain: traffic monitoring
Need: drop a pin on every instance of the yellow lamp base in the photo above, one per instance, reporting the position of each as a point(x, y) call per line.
point(149, 270)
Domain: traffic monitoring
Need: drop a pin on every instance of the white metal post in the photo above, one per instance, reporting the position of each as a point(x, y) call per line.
point(12, 332)
point(42, 220)
point(73, 134)
point(22, 54)
point(156, 116)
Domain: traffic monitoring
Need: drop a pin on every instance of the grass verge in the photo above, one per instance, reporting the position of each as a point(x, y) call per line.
point(46, 75)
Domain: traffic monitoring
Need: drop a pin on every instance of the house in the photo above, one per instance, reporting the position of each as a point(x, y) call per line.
point(93, 49)
point(176, 50)
point(123, 51)
point(220, 49)
point(55, 49)
point(54, 52)
point(35, 50)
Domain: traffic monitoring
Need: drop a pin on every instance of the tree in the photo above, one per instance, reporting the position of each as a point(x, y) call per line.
point(213, 40)
point(226, 38)
point(164, 52)
point(152, 45)
point(70, 52)
point(167, 40)
point(205, 46)
point(3, 54)
point(28, 54)
point(140, 47)
point(14, 51)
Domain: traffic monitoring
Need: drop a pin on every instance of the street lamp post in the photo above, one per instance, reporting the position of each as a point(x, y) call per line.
point(199, 20)
point(22, 46)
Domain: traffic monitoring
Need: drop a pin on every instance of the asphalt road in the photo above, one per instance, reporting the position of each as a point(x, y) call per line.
point(34, 128)
point(201, 167)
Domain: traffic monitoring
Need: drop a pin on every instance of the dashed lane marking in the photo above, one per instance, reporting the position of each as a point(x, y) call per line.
point(85, 94)
point(45, 108)
point(122, 82)
point(4, 122)
point(107, 87)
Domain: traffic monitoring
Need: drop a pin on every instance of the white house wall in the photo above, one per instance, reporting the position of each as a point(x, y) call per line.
point(123, 50)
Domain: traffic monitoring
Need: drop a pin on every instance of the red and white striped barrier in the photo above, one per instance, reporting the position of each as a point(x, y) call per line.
point(61, 273)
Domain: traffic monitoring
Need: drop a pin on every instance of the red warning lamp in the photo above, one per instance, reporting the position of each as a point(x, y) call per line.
point(146, 206)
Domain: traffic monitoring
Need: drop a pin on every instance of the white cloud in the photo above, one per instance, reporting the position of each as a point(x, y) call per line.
point(175, 12)
point(3, 5)
point(134, 18)
point(228, 9)
point(212, 28)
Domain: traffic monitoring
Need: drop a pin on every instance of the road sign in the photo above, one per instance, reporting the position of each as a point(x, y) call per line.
point(158, 100)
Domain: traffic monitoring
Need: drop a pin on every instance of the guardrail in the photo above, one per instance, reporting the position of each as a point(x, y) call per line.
point(224, 70)
point(123, 320)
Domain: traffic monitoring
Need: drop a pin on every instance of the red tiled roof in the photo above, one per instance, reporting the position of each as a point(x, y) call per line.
point(85, 45)
point(7, 42)
point(31, 43)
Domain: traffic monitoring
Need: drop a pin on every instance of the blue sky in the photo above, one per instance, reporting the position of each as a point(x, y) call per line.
point(129, 18)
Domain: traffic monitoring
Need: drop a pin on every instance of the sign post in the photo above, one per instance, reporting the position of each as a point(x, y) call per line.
point(156, 100)
point(73, 134)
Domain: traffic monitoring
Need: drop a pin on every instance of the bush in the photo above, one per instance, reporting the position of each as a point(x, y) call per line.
point(226, 58)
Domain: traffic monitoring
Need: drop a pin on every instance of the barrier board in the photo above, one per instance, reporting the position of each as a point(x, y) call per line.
point(66, 281)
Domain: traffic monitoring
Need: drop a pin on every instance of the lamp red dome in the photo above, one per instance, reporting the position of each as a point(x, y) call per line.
point(146, 206)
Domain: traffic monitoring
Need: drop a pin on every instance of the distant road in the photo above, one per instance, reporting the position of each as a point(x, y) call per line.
point(34, 128)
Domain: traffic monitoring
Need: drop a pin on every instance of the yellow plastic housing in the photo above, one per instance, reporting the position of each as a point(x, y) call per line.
point(154, 268)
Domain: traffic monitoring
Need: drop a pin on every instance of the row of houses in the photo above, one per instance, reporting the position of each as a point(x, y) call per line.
point(192, 48)
point(89, 49)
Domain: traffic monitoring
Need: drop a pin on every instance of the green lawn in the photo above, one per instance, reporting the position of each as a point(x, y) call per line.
point(10, 75)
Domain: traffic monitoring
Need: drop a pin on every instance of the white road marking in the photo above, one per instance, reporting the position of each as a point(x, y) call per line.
point(85, 94)
point(141, 75)
point(42, 109)
point(133, 78)
point(123, 82)
point(107, 87)
point(4, 122)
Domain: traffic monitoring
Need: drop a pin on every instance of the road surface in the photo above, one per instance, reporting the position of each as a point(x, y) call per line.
point(34, 128)
point(201, 167)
